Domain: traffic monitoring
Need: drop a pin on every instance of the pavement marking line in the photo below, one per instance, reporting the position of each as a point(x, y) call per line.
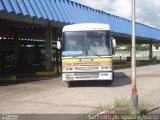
point(8, 77)
point(45, 73)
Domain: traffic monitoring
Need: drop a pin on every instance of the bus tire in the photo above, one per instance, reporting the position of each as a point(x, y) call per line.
point(110, 82)
point(69, 84)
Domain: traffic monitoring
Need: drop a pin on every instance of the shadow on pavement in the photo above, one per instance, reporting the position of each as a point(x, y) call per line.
point(120, 79)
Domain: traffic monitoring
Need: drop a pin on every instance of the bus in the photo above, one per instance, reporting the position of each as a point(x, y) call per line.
point(87, 50)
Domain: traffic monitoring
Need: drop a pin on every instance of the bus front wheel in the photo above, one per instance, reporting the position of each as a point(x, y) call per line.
point(69, 83)
point(110, 82)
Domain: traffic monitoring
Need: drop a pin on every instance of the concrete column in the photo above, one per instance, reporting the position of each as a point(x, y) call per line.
point(57, 56)
point(49, 47)
point(130, 50)
point(130, 55)
point(16, 49)
point(0, 54)
point(150, 51)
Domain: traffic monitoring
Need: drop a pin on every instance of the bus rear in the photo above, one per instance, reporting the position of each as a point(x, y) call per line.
point(87, 53)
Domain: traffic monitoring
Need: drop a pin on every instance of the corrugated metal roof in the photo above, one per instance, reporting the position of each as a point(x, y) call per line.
point(69, 12)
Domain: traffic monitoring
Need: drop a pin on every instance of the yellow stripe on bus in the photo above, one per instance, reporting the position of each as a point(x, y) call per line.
point(77, 59)
point(102, 59)
point(70, 59)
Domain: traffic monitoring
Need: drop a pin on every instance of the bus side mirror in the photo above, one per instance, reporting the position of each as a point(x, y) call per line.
point(114, 45)
point(59, 43)
point(114, 42)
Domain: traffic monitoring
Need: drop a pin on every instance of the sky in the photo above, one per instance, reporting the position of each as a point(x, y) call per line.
point(147, 11)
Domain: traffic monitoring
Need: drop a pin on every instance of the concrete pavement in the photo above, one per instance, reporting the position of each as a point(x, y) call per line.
point(51, 95)
point(151, 101)
point(148, 82)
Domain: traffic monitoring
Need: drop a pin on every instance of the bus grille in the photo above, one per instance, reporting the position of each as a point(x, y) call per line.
point(87, 68)
point(86, 75)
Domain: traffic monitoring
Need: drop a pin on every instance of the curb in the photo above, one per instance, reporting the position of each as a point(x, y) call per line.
point(9, 77)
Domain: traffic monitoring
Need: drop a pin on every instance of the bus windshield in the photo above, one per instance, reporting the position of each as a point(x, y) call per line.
point(86, 43)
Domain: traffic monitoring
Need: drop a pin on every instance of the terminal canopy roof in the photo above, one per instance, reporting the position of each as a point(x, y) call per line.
point(69, 12)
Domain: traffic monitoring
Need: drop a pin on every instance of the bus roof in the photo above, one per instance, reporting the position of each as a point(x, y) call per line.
point(86, 27)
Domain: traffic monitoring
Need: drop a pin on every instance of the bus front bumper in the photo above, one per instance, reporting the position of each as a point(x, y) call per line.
point(87, 76)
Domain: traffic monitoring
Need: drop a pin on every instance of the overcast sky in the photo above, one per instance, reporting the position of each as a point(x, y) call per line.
point(147, 11)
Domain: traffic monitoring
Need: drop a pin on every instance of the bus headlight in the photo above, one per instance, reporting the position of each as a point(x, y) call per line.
point(106, 68)
point(67, 68)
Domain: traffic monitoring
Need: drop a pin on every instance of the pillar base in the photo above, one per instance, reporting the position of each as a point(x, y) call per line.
point(134, 104)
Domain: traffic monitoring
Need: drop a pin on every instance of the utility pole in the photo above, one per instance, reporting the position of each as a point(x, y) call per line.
point(134, 96)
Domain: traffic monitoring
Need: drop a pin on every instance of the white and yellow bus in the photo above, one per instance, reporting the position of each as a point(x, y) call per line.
point(87, 51)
